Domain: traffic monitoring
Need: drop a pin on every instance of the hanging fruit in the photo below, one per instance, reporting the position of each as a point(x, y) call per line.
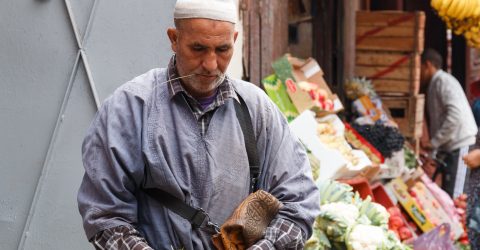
point(462, 17)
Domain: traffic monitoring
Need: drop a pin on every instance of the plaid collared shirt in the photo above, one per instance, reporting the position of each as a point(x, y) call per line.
point(224, 92)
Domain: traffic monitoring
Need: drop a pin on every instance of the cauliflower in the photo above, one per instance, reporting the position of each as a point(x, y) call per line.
point(346, 212)
point(346, 221)
point(335, 218)
point(365, 237)
point(376, 213)
point(333, 191)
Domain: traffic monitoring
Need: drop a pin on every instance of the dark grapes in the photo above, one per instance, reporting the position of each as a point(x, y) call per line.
point(385, 139)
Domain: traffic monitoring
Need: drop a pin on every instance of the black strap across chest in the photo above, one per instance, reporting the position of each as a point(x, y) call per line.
point(197, 216)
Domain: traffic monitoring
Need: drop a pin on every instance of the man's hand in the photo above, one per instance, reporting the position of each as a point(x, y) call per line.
point(427, 146)
point(472, 159)
point(429, 165)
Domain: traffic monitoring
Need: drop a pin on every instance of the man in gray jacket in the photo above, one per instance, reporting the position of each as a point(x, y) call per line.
point(451, 123)
point(175, 130)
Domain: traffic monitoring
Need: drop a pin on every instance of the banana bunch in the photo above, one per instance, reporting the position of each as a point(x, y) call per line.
point(462, 16)
point(457, 9)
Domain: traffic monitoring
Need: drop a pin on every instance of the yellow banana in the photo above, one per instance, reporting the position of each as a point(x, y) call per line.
point(468, 9)
point(459, 9)
point(444, 7)
point(452, 8)
point(476, 12)
point(436, 4)
point(462, 10)
point(474, 29)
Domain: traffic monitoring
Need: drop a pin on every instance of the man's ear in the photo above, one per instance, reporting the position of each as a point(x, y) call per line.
point(173, 36)
point(430, 65)
point(235, 36)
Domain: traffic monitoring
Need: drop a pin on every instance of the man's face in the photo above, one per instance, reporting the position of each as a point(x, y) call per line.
point(425, 72)
point(203, 48)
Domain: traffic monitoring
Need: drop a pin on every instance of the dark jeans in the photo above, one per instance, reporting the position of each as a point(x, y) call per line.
point(449, 171)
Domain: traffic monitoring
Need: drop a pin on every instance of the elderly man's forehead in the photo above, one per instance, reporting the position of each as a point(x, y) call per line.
point(192, 23)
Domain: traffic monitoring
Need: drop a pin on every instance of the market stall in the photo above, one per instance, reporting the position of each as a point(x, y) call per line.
point(374, 194)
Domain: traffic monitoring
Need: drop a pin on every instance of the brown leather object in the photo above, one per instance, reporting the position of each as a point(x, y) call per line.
point(248, 222)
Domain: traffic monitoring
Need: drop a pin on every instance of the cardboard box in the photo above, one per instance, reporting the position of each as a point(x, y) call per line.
point(333, 164)
point(278, 93)
point(399, 189)
point(393, 166)
point(293, 71)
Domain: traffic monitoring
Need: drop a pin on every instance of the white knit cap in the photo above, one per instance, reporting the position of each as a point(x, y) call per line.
point(221, 10)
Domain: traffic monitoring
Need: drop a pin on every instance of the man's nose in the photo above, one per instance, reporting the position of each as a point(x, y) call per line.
point(210, 62)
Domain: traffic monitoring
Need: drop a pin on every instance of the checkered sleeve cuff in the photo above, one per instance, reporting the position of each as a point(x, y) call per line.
point(121, 237)
point(281, 234)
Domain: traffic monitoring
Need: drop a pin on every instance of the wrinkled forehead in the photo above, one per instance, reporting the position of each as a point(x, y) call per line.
point(205, 28)
point(196, 23)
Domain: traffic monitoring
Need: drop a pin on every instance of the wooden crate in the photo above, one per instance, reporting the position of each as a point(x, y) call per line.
point(392, 73)
point(390, 31)
point(407, 113)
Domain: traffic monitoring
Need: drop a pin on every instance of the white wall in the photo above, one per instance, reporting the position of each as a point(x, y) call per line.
point(235, 69)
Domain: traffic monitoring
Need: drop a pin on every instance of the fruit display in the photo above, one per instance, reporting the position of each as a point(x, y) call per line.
point(370, 110)
point(434, 211)
point(462, 16)
point(398, 225)
point(317, 94)
point(328, 136)
point(461, 206)
point(385, 139)
point(358, 142)
point(358, 87)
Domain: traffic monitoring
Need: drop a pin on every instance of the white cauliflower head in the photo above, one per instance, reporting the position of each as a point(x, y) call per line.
point(365, 237)
point(346, 212)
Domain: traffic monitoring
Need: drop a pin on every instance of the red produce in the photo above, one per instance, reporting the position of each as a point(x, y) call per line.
point(464, 241)
point(394, 211)
point(413, 193)
point(405, 233)
point(395, 222)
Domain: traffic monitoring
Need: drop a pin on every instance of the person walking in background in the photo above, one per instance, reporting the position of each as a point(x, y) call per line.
point(451, 124)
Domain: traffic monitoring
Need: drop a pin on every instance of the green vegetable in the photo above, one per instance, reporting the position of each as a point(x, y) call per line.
point(318, 241)
point(346, 222)
point(376, 213)
point(410, 158)
point(332, 191)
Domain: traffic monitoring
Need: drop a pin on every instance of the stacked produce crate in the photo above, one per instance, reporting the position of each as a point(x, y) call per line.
point(388, 49)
